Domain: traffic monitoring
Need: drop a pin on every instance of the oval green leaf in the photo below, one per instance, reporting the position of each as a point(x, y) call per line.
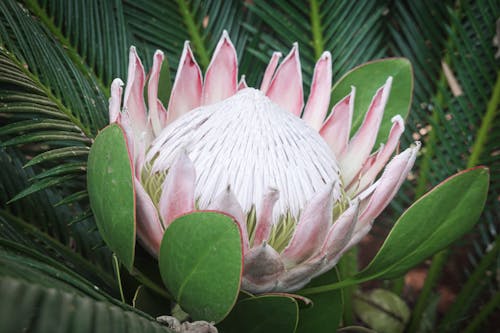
point(432, 223)
point(111, 192)
point(262, 314)
point(367, 78)
point(326, 311)
point(201, 263)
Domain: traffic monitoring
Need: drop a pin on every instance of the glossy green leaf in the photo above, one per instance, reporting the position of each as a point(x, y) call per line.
point(111, 192)
point(326, 311)
point(367, 79)
point(201, 262)
point(382, 310)
point(433, 222)
point(262, 314)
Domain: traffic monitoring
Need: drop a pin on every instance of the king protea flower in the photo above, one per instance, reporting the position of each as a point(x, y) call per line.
point(301, 190)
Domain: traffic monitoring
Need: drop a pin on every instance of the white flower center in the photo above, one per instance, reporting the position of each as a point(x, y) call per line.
point(250, 144)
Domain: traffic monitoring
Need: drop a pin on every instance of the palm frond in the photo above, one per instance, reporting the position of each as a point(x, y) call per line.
point(351, 32)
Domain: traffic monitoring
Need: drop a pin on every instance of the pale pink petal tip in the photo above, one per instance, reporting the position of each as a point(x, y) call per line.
point(133, 100)
point(187, 88)
point(221, 78)
point(115, 100)
point(361, 144)
point(337, 127)
point(177, 197)
point(265, 217)
point(243, 83)
point(286, 86)
point(157, 113)
point(226, 202)
point(312, 227)
point(319, 98)
point(269, 73)
point(389, 183)
point(378, 160)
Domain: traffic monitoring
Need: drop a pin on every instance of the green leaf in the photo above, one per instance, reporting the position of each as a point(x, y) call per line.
point(433, 222)
point(111, 192)
point(382, 310)
point(326, 311)
point(262, 314)
point(201, 263)
point(367, 79)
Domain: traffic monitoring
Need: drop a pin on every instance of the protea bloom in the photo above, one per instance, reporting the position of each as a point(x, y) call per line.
point(300, 189)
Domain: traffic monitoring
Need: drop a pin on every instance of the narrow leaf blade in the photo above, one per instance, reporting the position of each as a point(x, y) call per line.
point(432, 223)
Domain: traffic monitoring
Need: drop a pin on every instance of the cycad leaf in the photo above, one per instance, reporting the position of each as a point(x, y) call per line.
point(45, 62)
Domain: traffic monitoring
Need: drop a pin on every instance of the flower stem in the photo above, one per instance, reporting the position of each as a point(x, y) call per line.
point(194, 33)
point(433, 274)
point(487, 122)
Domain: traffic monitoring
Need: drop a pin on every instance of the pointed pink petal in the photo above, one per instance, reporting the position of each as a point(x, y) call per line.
point(177, 197)
point(134, 93)
point(162, 113)
point(221, 78)
point(373, 167)
point(319, 98)
point(312, 227)
point(385, 189)
point(337, 127)
point(286, 86)
point(155, 115)
point(362, 142)
point(265, 218)
point(269, 73)
point(115, 100)
point(226, 202)
point(262, 267)
point(186, 91)
point(149, 228)
point(339, 234)
point(124, 121)
point(243, 83)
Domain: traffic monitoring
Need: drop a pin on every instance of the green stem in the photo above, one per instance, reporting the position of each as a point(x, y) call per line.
point(432, 276)
point(194, 33)
point(318, 43)
point(482, 135)
point(470, 289)
point(116, 267)
point(348, 266)
point(483, 314)
point(78, 61)
point(334, 286)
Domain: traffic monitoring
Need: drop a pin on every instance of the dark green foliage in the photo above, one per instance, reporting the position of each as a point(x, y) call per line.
point(58, 58)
